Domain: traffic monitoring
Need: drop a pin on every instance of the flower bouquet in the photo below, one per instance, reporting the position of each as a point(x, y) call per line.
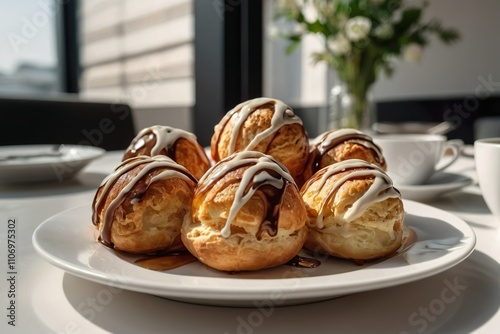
point(362, 38)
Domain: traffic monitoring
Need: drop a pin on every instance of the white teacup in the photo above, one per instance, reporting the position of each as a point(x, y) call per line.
point(487, 158)
point(413, 158)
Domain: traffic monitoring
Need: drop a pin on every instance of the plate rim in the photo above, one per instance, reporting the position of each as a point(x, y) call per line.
point(261, 288)
point(466, 180)
point(27, 171)
point(431, 191)
point(93, 152)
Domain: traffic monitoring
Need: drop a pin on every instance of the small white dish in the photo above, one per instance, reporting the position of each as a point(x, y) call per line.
point(441, 240)
point(439, 184)
point(468, 151)
point(44, 163)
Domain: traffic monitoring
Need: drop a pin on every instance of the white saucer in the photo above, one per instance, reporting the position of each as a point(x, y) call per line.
point(442, 240)
point(437, 185)
point(34, 163)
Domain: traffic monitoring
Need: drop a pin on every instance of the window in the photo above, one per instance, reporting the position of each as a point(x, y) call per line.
point(141, 53)
point(28, 44)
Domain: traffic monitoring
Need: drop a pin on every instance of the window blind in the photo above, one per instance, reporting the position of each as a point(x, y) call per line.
point(140, 52)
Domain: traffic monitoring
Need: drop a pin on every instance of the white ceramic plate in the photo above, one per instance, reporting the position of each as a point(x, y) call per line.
point(67, 241)
point(34, 163)
point(437, 185)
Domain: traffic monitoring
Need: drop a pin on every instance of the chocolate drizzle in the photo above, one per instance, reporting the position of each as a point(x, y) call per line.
point(156, 168)
point(263, 177)
point(381, 188)
point(166, 262)
point(304, 262)
point(282, 115)
point(333, 138)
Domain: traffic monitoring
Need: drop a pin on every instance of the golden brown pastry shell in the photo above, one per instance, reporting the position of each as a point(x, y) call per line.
point(243, 250)
point(341, 152)
point(153, 223)
point(289, 145)
point(378, 232)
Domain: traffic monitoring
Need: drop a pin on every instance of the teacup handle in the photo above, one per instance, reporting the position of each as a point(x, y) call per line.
point(456, 146)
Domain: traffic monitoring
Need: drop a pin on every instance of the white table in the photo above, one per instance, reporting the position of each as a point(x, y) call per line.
point(48, 300)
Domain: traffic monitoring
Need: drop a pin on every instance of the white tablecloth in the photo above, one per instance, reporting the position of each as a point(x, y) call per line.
point(48, 300)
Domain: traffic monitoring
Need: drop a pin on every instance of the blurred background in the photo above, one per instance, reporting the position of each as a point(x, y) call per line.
point(185, 63)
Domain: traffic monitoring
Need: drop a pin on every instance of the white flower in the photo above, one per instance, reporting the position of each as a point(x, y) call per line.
point(341, 20)
point(412, 53)
point(339, 45)
point(357, 28)
point(299, 28)
point(384, 31)
point(273, 31)
point(310, 13)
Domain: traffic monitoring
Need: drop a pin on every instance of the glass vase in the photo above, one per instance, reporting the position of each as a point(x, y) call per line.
point(351, 108)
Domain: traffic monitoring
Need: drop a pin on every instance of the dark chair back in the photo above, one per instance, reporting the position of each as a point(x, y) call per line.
point(460, 111)
point(65, 121)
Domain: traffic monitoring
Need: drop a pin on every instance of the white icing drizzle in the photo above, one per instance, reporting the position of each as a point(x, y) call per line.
point(381, 188)
point(282, 115)
point(258, 173)
point(351, 135)
point(166, 137)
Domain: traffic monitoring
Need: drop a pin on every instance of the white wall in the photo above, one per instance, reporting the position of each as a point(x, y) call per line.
point(452, 70)
point(443, 71)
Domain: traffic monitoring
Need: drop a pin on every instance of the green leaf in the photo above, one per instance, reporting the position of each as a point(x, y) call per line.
point(417, 37)
point(343, 8)
point(445, 35)
point(390, 6)
point(388, 70)
point(292, 47)
point(295, 38)
point(449, 36)
point(356, 8)
point(409, 17)
point(316, 27)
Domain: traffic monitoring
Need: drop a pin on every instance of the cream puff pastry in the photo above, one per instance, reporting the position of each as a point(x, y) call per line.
point(140, 206)
point(338, 145)
point(265, 125)
point(181, 146)
point(247, 214)
point(354, 211)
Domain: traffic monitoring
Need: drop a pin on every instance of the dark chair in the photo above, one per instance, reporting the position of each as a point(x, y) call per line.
point(462, 112)
point(65, 120)
point(487, 127)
